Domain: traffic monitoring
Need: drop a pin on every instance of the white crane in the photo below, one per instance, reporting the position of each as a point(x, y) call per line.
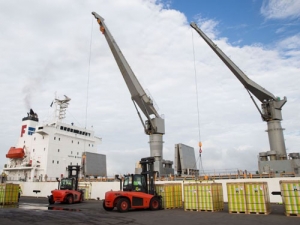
point(276, 159)
point(154, 126)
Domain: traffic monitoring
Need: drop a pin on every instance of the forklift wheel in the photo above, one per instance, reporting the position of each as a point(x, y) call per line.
point(155, 203)
point(123, 205)
point(70, 199)
point(50, 199)
point(107, 208)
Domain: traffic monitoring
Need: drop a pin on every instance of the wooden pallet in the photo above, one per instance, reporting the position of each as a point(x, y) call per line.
point(261, 213)
point(238, 212)
point(173, 207)
point(210, 210)
point(196, 210)
point(293, 214)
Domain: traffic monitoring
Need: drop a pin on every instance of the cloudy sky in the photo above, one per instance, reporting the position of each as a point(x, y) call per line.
point(49, 47)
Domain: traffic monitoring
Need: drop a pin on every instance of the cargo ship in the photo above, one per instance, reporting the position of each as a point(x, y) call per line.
point(44, 151)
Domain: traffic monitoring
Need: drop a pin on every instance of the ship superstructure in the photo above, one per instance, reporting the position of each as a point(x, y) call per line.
point(44, 151)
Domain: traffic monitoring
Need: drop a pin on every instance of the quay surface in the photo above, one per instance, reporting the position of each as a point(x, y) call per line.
point(33, 210)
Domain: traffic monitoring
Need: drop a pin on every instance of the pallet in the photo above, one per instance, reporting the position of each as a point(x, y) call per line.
point(261, 213)
point(293, 214)
point(210, 210)
point(238, 212)
point(195, 210)
point(8, 203)
point(173, 207)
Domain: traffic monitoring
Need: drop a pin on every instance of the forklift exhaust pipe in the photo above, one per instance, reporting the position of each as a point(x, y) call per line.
point(117, 177)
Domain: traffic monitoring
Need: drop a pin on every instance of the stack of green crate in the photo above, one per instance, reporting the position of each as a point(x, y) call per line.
point(290, 193)
point(236, 197)
point(190, 193)
point(257, 198)
point(9, 194)
point(210, 197)
point(171, 195)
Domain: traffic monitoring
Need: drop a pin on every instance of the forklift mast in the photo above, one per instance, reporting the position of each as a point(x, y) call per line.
point(148, 173)
point(73, 173)
point(143, 182)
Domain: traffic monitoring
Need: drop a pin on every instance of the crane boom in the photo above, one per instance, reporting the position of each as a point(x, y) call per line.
point(154, 125)
point(271, 106)
point(258, 91)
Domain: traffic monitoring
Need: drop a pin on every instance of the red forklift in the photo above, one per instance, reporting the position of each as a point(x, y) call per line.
point(67, 191)
point(138, 191)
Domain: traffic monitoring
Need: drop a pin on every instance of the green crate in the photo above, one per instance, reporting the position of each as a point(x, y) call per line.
point(236, 197)
point(210, 197)
point(9, 194)
point(171, 195)
point(190, 192)
point(290, 193)
point(257, 197)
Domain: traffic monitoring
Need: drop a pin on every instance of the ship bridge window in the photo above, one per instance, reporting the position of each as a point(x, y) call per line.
point(71, 130)
point(59, 139)
point(61, 127)
point(68, 129)
point(54, 138)
point(57, 150)
point(40, 128)
point(65, 128)
point(76, 131)
point(57, 162)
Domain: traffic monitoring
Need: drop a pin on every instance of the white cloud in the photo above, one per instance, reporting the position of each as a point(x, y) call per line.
point(278, 9)
point(45, 46)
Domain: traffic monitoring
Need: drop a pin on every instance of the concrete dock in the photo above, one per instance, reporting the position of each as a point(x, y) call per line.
point(33, 210)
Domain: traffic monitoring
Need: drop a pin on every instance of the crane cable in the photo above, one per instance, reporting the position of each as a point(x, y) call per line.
point(88, 76)
point(199, 133)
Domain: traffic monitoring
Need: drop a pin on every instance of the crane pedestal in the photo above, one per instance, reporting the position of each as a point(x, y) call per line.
point(156, 146)
point(276, 139)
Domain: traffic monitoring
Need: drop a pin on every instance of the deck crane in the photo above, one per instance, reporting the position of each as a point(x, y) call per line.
point(154, 126)
point(270, 105)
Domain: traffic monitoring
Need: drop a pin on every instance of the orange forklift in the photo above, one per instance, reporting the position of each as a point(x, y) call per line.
point(67, 191)
point(138, 191)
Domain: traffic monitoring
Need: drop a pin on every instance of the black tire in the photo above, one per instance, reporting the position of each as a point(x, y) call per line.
point(50, 200)
point(123, 205)
point(70, 199)
point(107, 208)
point(81, 197)
point(155, 203)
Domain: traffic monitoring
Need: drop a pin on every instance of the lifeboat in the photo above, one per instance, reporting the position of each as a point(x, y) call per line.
point(15, 153)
